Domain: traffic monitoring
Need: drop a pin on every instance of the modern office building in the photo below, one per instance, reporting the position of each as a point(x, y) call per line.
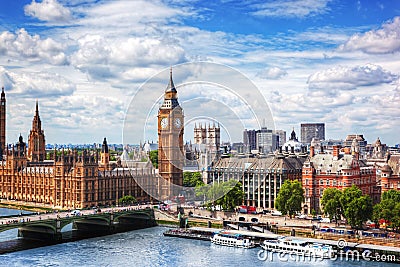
point(267, 141)
point(250, 140)
point(282, 137)
point(312, 130)
point(260, 141)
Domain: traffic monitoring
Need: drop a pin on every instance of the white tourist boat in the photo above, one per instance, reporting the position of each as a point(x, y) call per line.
point(232, 240)
point(292, 246)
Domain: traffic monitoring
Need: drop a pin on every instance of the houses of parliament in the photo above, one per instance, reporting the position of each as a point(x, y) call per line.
point(72, 179)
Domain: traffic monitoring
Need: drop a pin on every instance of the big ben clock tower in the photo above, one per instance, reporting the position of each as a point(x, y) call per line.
point(170, 143)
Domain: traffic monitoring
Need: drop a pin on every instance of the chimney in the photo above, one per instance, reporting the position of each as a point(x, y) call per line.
point(312, 152)
point(336, 151)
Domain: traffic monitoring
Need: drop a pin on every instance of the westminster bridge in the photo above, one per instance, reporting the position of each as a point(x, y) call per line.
point(84, 223)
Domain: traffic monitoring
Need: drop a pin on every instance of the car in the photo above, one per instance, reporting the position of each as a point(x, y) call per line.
point(325, 220)
point(76, 213)
point(301, 216)
point(276, 213)
point(266, 211)
point(254, 220)
point(316, 219)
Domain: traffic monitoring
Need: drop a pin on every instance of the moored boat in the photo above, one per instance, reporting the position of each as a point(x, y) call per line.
point(299, 247)
point(225, 238)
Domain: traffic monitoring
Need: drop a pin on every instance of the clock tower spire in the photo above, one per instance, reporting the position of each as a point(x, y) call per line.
point(170, 143)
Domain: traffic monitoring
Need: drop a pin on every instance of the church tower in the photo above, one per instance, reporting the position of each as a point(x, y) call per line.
point(200, 134)
point(2, 121)
point(170, 142)
point(214, 137)
point(36, 142)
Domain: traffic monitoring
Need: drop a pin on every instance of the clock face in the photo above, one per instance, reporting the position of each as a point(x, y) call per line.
point(177, 123)
point(164, 123)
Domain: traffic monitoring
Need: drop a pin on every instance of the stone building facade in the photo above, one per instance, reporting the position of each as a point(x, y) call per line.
point(70, 179)
point(261, 178)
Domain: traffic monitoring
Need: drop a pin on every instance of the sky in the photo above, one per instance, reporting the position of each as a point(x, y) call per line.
point(96, 66)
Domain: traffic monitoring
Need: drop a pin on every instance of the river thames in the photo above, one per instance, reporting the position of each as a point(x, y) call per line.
point(147, 247)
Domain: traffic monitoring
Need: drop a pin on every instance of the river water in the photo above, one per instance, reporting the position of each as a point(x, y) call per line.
point(147, 247)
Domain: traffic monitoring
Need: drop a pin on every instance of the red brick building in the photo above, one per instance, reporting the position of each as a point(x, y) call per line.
point(389, 173)
point(337, 170)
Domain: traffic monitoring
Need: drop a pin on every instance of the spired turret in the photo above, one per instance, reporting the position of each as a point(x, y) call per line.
point(36, 141)
point(171, 95)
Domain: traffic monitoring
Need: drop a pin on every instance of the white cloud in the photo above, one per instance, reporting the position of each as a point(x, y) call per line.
point(35, 84)
point(48, 10)
point(140, 74)
point(292, 8)
point(147, 51)
point(140, 16)
point(273, 73)
point(103, 58)
point(351, 77)
point(111, 47)
point(22, 46)
point(381, 41)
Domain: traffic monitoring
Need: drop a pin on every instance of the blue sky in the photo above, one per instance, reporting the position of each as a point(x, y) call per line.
point(313, 61)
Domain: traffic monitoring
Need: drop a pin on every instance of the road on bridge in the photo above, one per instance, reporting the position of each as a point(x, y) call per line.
point(63, 214)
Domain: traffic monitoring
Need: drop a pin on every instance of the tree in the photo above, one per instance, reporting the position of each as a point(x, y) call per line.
point(396, 218)
point(233, 196)
point(358, 211)
point(228, 194)
point(290, 197)
point(349, 194)
point(331, 203)
point(127, 200)
point(192, 179)
point(392, 195)
point(356, 207)
point(387, 209)
point(153, 155)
